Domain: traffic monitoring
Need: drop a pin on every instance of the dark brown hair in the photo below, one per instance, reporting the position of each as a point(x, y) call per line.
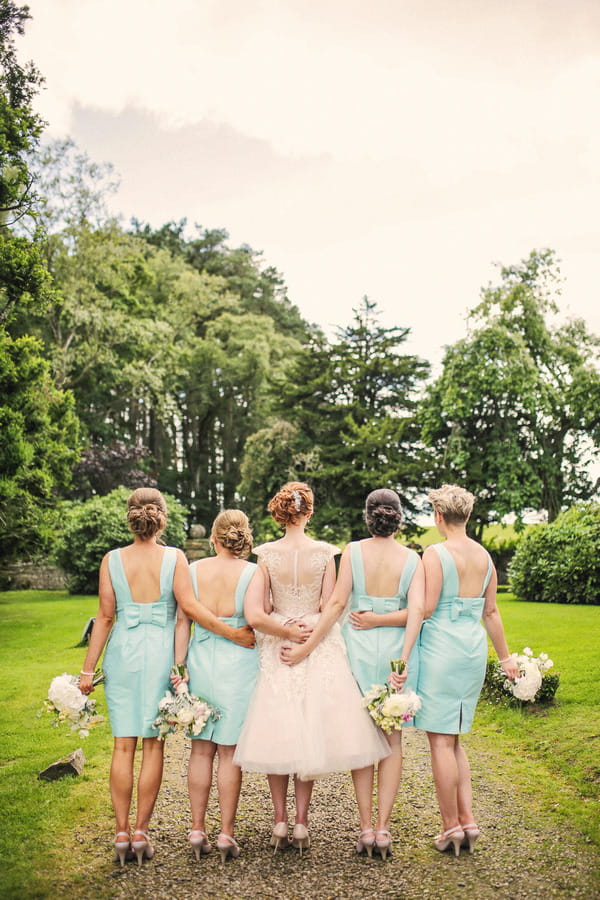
point(291, 502)
point(383, 512)
point(146, 512)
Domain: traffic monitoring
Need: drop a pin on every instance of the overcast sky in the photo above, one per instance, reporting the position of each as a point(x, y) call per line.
point(390, 148)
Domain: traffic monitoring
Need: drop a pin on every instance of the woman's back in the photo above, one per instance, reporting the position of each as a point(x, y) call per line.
point(217, 580)
point(472, 563)
point(142, 564)
point(383, 564)
point(296, 572)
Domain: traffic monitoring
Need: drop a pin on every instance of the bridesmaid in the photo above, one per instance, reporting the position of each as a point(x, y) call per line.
point(460, 589)
point(139, 585)
point(222, 665)
point(383, 580)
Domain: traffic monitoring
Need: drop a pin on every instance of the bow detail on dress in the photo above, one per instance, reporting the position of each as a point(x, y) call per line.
point(466, 606)
point(146, 614)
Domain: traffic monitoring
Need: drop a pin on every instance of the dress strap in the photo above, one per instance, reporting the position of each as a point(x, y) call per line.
point(358, 571)
point(119, 579)
point(449, 570)
point(194, 577)
point(167, 570)
point(486, 580)
point(407, 573)
point(242, 585)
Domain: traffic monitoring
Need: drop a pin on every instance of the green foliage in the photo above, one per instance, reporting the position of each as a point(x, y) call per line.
point(352, 403)
point(515, 414)
point(38, 448)
point(92, 528)
point(502, 547)
point(560, 562)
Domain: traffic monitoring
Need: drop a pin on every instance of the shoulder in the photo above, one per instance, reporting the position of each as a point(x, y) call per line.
point(329, 550)
point(433, 552)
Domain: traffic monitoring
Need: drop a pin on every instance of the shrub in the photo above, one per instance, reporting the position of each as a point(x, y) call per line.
point(560, 562)
point(92, 528)
point(502, 548)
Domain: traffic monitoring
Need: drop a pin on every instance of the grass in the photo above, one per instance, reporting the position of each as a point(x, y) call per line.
point(550, 753)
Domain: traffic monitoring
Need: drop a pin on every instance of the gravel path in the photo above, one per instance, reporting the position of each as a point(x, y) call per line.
point(520, 855)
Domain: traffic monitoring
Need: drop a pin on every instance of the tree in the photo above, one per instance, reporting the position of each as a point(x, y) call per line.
point(39, 446)
point(515, 413)
point(353, 405)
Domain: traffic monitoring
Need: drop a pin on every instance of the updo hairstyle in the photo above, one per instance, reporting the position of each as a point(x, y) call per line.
point(453, 503)
point(232, 530)
point(293, 501)
point(383, 512)
point(146, 513)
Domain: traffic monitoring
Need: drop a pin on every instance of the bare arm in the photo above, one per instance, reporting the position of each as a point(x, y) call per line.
point(416, 612)
point(492, 621)
point(254, 611)
point(182, 636)
point(363, 619)
point(333, 607)
point(186, 599)
point(433, 580)
point(102, 626)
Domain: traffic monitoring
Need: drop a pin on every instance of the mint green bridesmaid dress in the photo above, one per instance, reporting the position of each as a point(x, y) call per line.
point(140, 651)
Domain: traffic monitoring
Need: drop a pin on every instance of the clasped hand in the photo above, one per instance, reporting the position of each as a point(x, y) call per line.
point(362, 619)
point(398, 681)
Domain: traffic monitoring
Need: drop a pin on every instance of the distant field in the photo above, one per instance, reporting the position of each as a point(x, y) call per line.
point(432, 535)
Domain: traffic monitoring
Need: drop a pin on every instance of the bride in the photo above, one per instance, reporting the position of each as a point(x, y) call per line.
point(305, 718)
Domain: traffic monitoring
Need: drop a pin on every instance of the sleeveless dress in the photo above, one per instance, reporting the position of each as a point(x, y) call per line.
point(306, 719)
point(223, 672)
point(453, 655)
point(140, 651)
point(370, 651)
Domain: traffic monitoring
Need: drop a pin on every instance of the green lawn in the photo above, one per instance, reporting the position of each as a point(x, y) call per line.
point(552, 753)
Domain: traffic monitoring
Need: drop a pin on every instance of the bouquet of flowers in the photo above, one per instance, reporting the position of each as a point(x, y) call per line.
point(70, 705)
point(534, 683)
point(391, 709)
point(182, 711)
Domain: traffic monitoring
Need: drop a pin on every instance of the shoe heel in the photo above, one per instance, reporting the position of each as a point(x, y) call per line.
point(122, 848)
point(456, 842)
point(279, 837)
point(471, 835)
point(142, 848)
point(384, 845)
point(300, 838)
point(227, 847)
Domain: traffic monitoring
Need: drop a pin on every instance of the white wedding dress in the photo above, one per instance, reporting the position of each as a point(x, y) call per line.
point(306, 719)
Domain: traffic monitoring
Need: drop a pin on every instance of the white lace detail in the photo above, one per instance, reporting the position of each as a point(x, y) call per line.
point(296, 576)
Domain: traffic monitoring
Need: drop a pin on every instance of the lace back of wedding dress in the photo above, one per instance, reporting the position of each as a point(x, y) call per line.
point(296, 576)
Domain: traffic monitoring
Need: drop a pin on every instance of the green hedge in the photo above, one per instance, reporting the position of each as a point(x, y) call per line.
point(92, 528)
point(560, 562)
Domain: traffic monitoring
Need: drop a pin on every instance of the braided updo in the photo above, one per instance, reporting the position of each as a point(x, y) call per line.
point(232, 530)
point(383, 512)
point(293, 501)
point(146, 513)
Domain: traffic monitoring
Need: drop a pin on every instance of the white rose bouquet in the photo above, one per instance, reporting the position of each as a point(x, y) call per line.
point(391, 709)
point(70, 705)
point(182, 711)
point(535, 683)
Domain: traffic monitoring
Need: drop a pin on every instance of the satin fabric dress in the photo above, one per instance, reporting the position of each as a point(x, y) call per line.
point(453, 655)
point(371, 650)
point(223, 672)
point(140, 650)
point(306, 719)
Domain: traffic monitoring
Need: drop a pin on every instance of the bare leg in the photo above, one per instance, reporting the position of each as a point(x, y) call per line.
point(229, 783)
point(445, 774)
point(149, 781)
point(363, 788)
point(121, 779)
point(303, 792)
point(389, 773)
point(200, 770)
point(465, 791)
point(278, 785)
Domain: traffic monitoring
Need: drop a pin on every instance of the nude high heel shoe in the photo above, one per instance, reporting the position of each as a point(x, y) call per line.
point(279, 838)
point(199, 842)
point(471, 834)
point(122, 848)
point(300, 838)
point(366, 841)
point(142, 848)
point(227, 847)
point(383, 843)
point(454, 836)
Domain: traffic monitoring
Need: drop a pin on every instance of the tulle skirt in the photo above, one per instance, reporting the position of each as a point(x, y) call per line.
point(307, 719)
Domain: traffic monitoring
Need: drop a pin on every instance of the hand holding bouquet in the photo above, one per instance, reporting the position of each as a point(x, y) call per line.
point(70, 705)
point(182, 711)
point(391, 709)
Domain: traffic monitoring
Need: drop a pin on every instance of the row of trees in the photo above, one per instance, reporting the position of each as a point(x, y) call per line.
point(139, 355)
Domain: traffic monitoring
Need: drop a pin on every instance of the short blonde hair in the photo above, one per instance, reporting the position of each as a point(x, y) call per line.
point(452, 502)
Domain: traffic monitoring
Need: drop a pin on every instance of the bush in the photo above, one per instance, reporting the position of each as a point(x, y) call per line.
point(502, 548)
point(495, 687)
point(560, 562)
point(92, 528)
